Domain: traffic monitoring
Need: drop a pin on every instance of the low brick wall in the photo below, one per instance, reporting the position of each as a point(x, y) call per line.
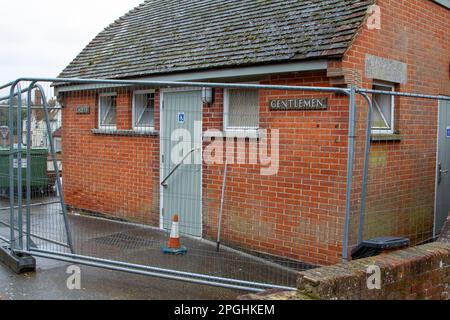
point(421, 272)
point(416, 273)
point(445, 234)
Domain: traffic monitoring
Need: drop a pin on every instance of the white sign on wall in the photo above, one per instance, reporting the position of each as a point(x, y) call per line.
point(181, 117)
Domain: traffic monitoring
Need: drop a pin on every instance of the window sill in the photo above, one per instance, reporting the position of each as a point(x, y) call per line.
point(241, 134)
point(125, 133)
point(393, 137)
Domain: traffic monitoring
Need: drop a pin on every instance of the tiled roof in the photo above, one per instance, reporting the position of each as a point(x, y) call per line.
point(164, 36)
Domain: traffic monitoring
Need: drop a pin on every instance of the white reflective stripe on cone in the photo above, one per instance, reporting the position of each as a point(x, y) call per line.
point(174, 233)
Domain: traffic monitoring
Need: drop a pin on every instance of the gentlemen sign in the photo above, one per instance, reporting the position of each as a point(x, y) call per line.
point(299, 104)
point(83, 110)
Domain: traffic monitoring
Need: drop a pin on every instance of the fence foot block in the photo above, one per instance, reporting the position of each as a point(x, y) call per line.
point(176, 252)
point(19, 263)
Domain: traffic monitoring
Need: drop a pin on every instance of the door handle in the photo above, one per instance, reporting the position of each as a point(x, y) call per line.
point(441, 173)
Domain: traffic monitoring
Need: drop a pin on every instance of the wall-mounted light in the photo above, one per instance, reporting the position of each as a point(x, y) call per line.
point(208, 96)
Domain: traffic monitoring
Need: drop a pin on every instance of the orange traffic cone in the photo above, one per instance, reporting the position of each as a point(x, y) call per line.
point(174, 243)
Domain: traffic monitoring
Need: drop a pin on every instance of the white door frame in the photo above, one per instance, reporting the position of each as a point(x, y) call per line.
point(161, 152)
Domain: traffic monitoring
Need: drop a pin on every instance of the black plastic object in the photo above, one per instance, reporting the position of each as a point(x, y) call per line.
point(376, 246)
point(19, 263)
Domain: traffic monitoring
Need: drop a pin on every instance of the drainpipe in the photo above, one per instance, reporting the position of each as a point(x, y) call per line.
point(351, 156)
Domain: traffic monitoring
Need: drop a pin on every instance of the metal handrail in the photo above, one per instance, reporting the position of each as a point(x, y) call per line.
point(164, 182)
point(6, 85)
point(6, 106)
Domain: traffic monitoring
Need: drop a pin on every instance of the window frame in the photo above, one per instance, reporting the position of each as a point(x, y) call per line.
point(238, 131)
point(133, 108)
point(392, 87)
point(100, 96)
point(57, 140)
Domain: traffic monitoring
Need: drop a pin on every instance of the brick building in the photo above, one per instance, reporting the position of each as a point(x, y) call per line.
point(115, 139)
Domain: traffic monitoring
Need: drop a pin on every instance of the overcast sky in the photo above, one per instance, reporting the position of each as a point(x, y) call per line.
point(38, 38)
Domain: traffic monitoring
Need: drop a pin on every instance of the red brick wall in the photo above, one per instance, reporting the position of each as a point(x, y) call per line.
point(402, 173)
point(298, 212)
point(109, 174)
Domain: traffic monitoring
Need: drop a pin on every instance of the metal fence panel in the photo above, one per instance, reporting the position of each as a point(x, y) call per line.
point(266, 180)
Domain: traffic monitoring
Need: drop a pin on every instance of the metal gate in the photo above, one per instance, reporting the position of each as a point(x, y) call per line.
point(26, 171)
point(124, 177)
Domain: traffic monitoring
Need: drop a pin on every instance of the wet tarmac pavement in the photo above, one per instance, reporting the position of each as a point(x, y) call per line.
point(49, 282)
point(130, 243)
